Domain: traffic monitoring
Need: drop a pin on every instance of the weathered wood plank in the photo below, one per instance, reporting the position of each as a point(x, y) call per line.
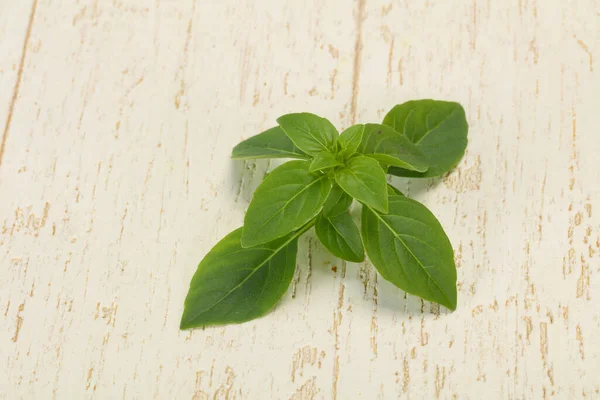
point(116, 180)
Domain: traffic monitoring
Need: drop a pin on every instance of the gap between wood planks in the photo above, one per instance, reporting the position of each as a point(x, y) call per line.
point(13, 100)
point(358, 46)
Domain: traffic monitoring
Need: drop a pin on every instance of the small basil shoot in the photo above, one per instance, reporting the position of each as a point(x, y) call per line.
point(245, 275)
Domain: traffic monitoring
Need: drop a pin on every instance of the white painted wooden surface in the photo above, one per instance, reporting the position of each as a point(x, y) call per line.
point(117, 120)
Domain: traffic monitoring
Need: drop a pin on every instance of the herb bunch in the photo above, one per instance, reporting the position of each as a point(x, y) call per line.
point(248, 271)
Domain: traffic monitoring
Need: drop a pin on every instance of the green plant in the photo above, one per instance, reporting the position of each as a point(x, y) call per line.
point(248, 271)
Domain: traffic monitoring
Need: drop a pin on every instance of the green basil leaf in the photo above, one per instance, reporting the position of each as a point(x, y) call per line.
point(337, 202)
point(391, 148)
point(288, 198)
point(323, 160)
point(363, 179)
point(272, 143)
point(438, 128)
point(350, 139)
point(394, 190)
point(340, 236)
point(409, 248)
point(309, 132)
point(234, 284)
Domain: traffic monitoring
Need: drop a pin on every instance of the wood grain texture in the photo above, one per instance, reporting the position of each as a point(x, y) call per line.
point(116, 180)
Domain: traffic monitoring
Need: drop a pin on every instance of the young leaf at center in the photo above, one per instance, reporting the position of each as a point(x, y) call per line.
point(363, 179)
point(350, 139)
point(288, 198)
point(409, 248)
point(323, 160)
